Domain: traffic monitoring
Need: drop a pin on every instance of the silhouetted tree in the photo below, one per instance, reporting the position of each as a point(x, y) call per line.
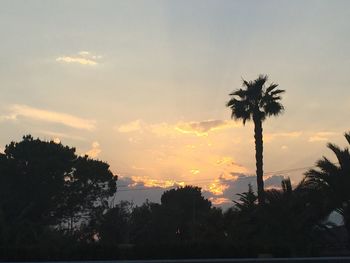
point(256, 102)
point(184, 212)
point(112, 228)
point(290, 220)
point(144, 223)
point(332, 181)
point(246, 201)
point(241, 222)
point(45, 186)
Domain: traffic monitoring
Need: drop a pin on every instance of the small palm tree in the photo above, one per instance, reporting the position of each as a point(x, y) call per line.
point(332, 181)
point(256, 102)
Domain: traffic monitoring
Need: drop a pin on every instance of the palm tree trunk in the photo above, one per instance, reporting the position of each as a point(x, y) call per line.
point(258, 136)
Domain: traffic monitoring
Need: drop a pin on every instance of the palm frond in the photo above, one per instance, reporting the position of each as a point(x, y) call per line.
point(327, 166)
point(271, 87)
point(343, 156)
point(286, 185)
point(240, 93)
point(273, 108)
point(275, 92)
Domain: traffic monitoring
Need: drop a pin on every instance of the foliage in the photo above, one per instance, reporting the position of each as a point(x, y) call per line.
point(332, 180)
point(45, 185)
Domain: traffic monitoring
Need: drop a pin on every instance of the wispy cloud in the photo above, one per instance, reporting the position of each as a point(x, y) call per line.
point(94, 151)
point(321, 136)
point(61, 135)
point(16, 111)
point(268, 137)
point(130, 127)
point(83, 58)
point(201, 128)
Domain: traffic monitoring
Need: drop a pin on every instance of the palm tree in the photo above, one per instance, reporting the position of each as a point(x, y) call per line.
point(332, 180)
point(256, 102)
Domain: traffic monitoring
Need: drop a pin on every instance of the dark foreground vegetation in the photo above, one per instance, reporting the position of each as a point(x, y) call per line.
point(55, 205)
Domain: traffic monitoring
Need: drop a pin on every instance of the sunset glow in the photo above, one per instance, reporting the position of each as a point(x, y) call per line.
point(143, 86)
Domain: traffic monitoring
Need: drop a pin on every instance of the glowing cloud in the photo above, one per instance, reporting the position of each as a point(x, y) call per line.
point(56, 140)
point(49, 116)
point(94, 151)
point(83, 58)
point(82, 61)
point(194, 171)
point(147, 182)
point(217, 187)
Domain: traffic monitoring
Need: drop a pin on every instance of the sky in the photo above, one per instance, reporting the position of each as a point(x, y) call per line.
point(143, 85)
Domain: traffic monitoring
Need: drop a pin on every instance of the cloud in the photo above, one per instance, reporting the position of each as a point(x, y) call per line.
point(194, 171)
point(201, 128)
point(82, 58)
point(130, 127)
point(268, 137)
point(78, 60)
point(321, 136)
point(227, 186)
point(148, 182)
point(129, 191)
point(220, 192)
point(61, 136)
point(204, 127)
point(94, 151)
point(56, 140)
point(217, 187)
point(25, 111)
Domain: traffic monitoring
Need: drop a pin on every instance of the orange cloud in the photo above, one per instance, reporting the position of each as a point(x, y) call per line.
point(217, 187)
point(50, 116)
point(94, 151)
point(194, 171)
point(147, 182)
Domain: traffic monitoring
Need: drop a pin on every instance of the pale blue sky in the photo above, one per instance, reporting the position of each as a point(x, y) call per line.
point(156, 66)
